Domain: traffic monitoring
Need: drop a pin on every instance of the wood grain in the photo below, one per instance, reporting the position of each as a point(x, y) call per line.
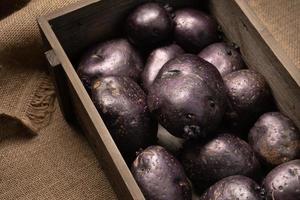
point(60, 82)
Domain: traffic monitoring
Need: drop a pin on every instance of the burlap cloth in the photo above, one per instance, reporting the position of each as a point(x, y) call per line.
point(41, 156)
point(57, 163)
point(282, 19)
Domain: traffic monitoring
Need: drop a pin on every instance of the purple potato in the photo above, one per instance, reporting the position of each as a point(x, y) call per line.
point(112, 58)
point(155, 62)
point(160, 175)
point(194, 30)
point(249, 95)
point(234, 187)
point(225, 155)
point(188, 97)
point(283, 182)
point(148, 25)
point(224, 57)
point(275, 139)
point(122, 105)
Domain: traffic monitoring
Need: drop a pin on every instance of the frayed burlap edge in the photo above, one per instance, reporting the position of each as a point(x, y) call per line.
point(41, 106)
point(38, 111)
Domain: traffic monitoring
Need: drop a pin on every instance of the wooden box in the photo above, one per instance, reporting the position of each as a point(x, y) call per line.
point(69, 31)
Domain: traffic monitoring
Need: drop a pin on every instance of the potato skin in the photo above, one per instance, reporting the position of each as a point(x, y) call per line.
point(225, 155)
point(122, 105)
point(275, 139)
point(195, 107)
point(160, 175)
point(155, 62)
point(234, 187)
point(249, 95)
point(283, 182)
point(224, 57)
point(148, 25)
point(112, 58)
point(194, 30)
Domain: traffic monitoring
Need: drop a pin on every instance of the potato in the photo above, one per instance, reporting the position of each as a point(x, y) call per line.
point(122, 105)
point(112, 58)
point(160, 176)
point(283, 182)
point(275, 139)
point(234, 187)
point(225, 155)
point(148, 25)
point(224, 57)
point(194, 30)
point(188, 97)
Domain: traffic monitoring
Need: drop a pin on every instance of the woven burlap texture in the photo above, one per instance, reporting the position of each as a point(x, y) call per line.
point(57, 164)
point(42, 157)
point(281, 18)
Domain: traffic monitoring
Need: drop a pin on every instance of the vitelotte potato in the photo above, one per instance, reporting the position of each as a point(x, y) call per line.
point(112, 58)
point(148, 25)
point(275, 139)
point(234, 187)
point(224, 57)
point(225, 155)
point(160, 176)
point(188, 97)
point(122, 106)
point(194, 30)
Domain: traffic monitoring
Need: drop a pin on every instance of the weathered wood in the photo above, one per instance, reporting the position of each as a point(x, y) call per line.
point(61, 87)
point(71, 30)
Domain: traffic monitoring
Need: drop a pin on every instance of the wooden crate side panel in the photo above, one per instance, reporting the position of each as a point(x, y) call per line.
point(61, 88)
point(96, 129)
point(119, 184)
point(259, 56)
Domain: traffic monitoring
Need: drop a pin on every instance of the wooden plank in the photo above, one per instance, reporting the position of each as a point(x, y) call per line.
point(242, 27)
point(97, 132)
point(61, 86)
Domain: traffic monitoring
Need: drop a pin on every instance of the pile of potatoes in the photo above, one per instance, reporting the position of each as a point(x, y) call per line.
point(171, 68)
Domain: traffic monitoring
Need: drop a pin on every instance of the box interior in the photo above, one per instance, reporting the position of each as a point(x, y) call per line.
point(82, 28)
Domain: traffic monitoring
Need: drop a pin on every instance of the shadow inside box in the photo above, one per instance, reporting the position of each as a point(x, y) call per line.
point(8, 7)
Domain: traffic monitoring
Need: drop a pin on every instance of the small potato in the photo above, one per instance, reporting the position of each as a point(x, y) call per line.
point(225, 155)
point(148, 25)
point(249, 95)
point(112, 58)
point(194, 29)
point(283, 182)
point(160, 175)
point(232, 188)
point(275, 139)
point(224, 57)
